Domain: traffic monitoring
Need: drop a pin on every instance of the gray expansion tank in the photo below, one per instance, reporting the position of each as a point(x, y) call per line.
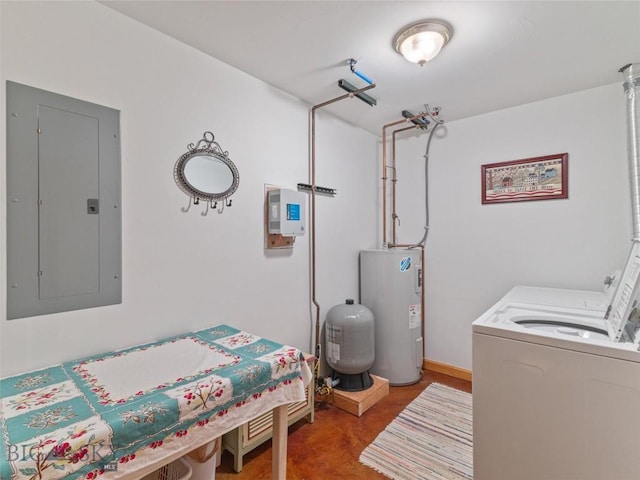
point(350, 349)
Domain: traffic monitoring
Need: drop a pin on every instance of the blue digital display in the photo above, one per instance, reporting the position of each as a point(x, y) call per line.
point(293, 211)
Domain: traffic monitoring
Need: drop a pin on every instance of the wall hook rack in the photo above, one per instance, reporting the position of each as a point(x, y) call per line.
point(205, 172)
point(188, 206)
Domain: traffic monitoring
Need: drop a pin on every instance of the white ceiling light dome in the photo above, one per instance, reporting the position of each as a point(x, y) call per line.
point(422, 41)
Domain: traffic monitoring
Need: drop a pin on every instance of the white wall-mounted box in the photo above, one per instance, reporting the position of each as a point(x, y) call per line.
point(286, 212)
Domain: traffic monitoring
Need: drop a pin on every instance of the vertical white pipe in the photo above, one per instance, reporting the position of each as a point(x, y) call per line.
point(631, 85)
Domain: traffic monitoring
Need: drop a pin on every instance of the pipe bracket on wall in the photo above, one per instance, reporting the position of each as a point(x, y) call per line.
point(305, 187)
point(343, 84)
point(418, 121)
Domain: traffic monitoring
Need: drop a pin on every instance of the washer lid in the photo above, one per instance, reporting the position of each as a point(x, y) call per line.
point(623, 312)
point(590, 302)
point(564, 328)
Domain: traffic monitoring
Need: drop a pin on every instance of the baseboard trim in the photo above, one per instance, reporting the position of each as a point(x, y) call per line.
point(446, 369)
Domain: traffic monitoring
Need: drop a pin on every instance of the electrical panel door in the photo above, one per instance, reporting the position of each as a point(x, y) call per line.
point(63, 203)
point(68, 179)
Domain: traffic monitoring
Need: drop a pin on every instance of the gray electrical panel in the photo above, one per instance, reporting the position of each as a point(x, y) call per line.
point(63, 203)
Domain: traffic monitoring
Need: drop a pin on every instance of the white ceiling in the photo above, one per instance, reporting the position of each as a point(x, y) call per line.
point(502, 53)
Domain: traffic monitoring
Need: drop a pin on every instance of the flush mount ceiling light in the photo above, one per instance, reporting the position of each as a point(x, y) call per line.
point(422, 41)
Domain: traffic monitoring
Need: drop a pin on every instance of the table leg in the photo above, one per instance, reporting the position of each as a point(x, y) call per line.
point(279, 442)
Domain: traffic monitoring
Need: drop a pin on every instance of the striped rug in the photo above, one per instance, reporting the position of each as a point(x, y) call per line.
point(430, 439)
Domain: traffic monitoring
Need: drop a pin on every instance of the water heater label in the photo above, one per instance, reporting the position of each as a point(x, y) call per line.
point(405, 264)
point(414, 316)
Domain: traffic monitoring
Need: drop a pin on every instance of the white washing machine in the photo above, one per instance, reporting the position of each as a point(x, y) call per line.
point(555, 396)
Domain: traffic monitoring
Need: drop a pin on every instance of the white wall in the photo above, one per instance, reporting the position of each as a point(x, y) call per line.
point(182, 271)
point(475, 253)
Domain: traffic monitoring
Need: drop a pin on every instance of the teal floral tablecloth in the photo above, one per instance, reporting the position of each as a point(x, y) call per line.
point(113, 414)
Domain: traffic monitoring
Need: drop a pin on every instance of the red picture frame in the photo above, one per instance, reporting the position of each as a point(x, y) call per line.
point(535, 178)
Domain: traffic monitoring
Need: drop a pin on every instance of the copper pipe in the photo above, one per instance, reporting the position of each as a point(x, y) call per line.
point(394, 180)
point(384, 169)
point(422, 300)
point(384, 177)
point(394, 214)
point(313, 204)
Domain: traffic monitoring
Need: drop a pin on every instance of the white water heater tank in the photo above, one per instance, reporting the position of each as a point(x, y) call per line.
point(350, 336)
point(391, 286)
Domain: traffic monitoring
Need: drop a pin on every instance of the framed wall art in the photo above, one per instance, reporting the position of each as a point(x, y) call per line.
point(536, 178)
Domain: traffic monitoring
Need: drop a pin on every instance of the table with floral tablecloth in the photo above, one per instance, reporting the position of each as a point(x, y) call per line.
point(124, 413)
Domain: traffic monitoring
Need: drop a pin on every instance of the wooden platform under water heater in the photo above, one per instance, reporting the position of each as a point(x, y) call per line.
point(357, 403)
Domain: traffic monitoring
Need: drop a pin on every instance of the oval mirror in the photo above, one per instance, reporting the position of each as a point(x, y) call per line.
point(206, 173)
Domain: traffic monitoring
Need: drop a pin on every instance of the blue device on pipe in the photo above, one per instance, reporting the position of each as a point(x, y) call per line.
point(362, 76)
point(352, 65)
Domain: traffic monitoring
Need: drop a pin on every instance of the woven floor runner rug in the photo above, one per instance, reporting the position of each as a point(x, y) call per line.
point(431, 439)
